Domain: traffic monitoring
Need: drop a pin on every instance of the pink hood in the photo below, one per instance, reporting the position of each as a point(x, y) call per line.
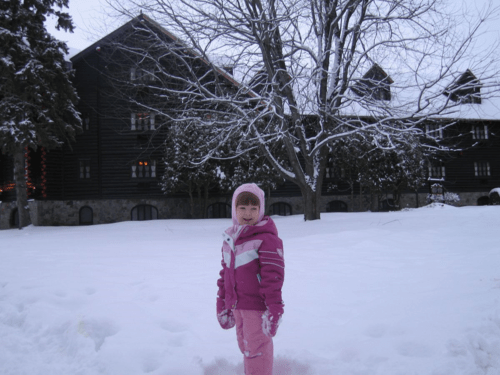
point(251, 188)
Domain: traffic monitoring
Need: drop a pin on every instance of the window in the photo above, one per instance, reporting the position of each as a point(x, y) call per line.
point(483, 201)
point(144, 212)
point(331, 172)
point(14, 218)
point(434, 130)
point(142, 121)
point(437, 171)
point(280, 208)
point(482, 169)
point(219, 210)
point(84, 169)
point(144, 169)
point(86, 216)
point(479, 132)
point(142, 75)
point(387, 205)
point(336, 206)
point(86, 122)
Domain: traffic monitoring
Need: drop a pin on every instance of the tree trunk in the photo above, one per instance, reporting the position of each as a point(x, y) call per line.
point(21, 193)
point(352, 196)
point(311, 203)
point(373, 202)
point(200, 202)
point(360, 198)
point(205, 201)
point(191, 198)
point(396, 198)
point(268, 196)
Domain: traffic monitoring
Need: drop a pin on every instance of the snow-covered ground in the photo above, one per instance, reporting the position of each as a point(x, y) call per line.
point(404, 293)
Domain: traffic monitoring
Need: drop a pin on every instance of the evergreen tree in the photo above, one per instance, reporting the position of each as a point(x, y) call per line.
point(381, 168)
point(37, 99)
point(185, 145)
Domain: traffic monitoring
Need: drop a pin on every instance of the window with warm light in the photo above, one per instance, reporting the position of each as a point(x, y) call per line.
point(142, 121)
point(144, 169)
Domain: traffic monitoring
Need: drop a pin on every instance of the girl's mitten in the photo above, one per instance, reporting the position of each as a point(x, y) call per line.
point(272, 319)
point(224, 316)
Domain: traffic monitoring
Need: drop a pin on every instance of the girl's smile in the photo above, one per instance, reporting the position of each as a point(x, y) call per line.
point(247, 215)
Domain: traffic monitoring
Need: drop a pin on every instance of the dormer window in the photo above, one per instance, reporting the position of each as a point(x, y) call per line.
point(262, 84)
point(259, 83)
point(375, 84)
point(466, 89)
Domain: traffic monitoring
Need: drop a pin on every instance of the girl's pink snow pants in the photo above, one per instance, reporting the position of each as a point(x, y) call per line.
point(256, 347)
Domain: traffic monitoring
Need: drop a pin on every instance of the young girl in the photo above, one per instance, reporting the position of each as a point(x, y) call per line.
point(251, 279)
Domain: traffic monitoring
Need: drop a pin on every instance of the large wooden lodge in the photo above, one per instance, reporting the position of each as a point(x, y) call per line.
point(112, 171)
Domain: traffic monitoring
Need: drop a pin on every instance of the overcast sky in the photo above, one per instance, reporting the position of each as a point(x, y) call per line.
point(92, 21)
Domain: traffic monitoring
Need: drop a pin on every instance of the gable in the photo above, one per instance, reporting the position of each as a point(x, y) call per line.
point(466, 89)
point(375, 84)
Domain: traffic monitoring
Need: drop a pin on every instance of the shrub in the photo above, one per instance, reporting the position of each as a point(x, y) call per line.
point(495, 197)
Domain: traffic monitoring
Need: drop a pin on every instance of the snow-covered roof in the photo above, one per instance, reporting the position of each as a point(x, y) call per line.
point(144, 18)
point(408, 98)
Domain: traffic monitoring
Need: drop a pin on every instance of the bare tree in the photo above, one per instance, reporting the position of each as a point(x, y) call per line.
point(307, 64)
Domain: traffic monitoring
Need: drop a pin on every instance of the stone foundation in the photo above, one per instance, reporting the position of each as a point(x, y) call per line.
point(54, 213)
point(6, 211)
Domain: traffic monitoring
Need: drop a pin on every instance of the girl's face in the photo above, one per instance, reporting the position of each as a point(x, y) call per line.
point(247, 214)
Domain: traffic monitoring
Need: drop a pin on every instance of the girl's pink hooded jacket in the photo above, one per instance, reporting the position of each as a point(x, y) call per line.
point(253, 267)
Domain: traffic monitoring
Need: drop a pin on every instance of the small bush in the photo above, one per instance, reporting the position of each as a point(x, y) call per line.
point(495, 197)
point(450, 198)
point(447, 198)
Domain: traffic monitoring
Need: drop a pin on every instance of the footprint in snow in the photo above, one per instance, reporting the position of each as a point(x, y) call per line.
point(376, 331)
point(173, 327)
point(414, 349)
point(89, 291)
point(97, 330)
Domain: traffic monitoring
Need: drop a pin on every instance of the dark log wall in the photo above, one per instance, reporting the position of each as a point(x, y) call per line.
point(459, 165)
point(460, 171)
point(107, 145)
